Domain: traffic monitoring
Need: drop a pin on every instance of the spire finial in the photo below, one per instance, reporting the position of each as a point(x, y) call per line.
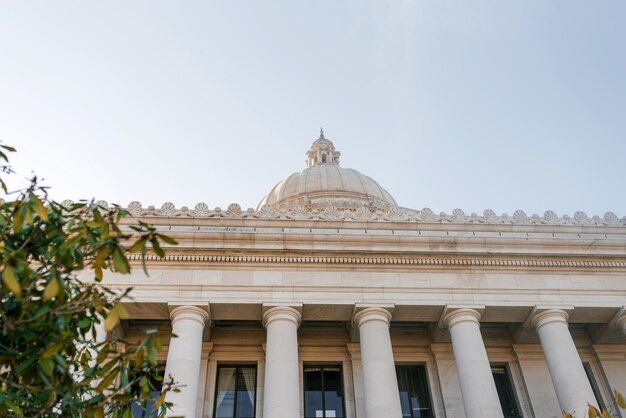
point(322, 133)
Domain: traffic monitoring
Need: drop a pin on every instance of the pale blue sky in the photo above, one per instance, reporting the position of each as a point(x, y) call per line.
point(481, 104)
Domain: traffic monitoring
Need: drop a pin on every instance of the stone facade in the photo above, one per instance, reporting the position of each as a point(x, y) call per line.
point(367, 288)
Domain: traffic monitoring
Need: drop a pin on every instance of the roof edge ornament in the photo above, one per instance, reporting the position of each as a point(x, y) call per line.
point(363, 213)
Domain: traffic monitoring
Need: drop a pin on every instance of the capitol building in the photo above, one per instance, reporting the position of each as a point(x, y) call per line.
point(330, 299)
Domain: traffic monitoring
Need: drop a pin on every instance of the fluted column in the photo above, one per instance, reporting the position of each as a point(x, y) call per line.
point(566, 369)
point(480, 398)
point(184, 358)
point(282, 378)
point(380, 385)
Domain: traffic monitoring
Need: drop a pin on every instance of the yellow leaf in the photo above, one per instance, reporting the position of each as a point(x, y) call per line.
point(51, 290)
point(593, 412)
point(18, 221)
point(120, 262)
point(111, 321)
point(159, 401)
point(40, 208)
point(620, 399)
point(121, 311)
point(10, 281)
point(99, 413)
point(98, 271)
point(52, 350)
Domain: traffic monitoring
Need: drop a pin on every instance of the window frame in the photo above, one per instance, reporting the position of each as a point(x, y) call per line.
point(426, 377)
point(323, 366)
point(510, 387)
point(236, 366)
point(153, 397)
point(595, 387)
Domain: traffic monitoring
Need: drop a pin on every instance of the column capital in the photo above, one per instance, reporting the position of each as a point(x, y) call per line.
point(189, 312)
point(621, 323)
point(291, 312)
point(457, 314)
point(547, 316)
point(619, 320)
point(372, 313)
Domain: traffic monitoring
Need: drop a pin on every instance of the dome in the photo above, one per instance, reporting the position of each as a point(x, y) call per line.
point(325, 183)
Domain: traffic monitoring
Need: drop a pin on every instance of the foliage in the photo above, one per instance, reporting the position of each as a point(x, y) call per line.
point(593, 412)
point(51, 306)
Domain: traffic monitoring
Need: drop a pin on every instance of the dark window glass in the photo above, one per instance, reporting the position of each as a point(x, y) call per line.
point(323, 392)
point(146, 409)
point(235, 394)
point(594, 386)
point(505, 391)
point(414, 392)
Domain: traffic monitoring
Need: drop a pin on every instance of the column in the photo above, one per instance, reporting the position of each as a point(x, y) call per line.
point(568, 375)
point(184, 358)
point(480, 398)
point(282, 377)
point(380, 384)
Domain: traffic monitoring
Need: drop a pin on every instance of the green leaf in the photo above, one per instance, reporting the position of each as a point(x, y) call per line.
point(136, 247)
point(620, 399)
point(168, 240)
point(22, 367)
point(157, 248)
point(106, 382)
point(10, 281)
point(120, 262)
point(151, 353)
point(16, 409)
point(139, 358)
point(47, 365)
point(51, 290)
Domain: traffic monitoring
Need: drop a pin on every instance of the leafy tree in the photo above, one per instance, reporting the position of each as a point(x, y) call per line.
point(50, 363)
point(593, 412)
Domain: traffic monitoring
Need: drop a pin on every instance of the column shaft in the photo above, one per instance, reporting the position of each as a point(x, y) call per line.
point(480, 398)
point(572, 387)
point(184, 358)
point(380, 384)
point(282, 378)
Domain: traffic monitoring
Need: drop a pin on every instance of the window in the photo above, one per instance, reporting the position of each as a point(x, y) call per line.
point(594, 386)
point(235, 394)
point(505, 391)
point(323, 392)
point(146, 409)
point(414, 393)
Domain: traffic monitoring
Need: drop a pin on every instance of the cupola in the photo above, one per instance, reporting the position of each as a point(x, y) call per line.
point(325, 183)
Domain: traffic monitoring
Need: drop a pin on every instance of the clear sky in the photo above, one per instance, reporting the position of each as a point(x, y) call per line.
point(482, 104)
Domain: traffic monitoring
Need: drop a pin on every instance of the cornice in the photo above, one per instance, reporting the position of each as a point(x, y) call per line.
point(363, 213)
point(385, 261)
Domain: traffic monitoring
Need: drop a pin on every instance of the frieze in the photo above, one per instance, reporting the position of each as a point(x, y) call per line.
point(364, 214)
